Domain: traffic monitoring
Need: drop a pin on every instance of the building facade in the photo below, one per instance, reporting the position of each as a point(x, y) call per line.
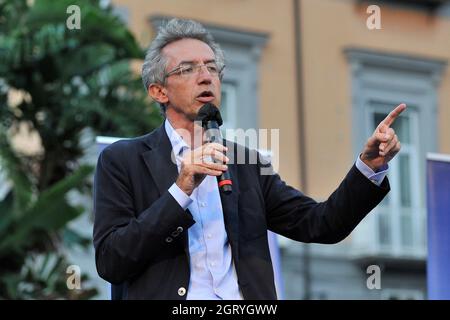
point(325, 72)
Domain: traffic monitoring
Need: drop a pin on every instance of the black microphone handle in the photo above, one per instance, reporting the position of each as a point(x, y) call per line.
point(213, 135)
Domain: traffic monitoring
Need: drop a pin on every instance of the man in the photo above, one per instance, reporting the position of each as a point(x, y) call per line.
point(162, 228)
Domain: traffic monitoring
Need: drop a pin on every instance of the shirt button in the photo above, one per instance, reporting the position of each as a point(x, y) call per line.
point(212, 264)
point(181, 291)
point(180, 229)
point(209, 236)
point(202, 204)
point(169, 239)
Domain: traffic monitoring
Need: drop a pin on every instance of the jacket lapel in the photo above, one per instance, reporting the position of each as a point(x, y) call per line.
point(164, 171)
point(158, 160)
point(230, 208)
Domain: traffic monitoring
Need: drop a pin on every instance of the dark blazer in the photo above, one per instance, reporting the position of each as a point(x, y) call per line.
point(141, 233)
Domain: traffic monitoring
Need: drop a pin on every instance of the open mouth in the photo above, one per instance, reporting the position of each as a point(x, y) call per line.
point(205, 96)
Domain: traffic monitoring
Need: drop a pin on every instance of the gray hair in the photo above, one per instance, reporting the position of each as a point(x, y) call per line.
point(154, 67)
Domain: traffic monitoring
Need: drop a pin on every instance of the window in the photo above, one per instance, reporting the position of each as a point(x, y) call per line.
point(228, 108)
point(380, 82)
point(401, 214)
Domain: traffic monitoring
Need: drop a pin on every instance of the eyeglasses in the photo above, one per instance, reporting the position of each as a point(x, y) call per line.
point(189, 69)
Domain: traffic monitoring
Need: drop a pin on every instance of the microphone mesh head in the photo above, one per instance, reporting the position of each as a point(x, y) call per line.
point(209, 112)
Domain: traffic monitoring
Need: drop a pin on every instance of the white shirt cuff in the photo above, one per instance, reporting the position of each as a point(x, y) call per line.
point(182, 198)
point(375, 177)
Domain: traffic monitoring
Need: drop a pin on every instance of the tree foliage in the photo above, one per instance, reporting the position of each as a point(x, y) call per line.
point(58, 84)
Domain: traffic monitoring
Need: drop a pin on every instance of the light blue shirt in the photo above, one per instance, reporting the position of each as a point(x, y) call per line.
point(213, 275)
point(375, 177)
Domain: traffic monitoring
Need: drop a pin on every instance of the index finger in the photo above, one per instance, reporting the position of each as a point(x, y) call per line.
point(389, 120)
point(210, 148)
point(215, 145)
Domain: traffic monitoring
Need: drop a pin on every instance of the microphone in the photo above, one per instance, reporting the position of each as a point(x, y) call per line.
point(211, 119)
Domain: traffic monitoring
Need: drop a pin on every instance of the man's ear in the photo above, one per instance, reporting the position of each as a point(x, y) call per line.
point(158, 93)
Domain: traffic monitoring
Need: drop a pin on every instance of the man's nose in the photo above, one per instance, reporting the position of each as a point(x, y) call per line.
point(204, 75)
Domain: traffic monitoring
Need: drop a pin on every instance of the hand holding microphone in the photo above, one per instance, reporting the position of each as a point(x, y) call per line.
point(196, 164)
point(210, 118)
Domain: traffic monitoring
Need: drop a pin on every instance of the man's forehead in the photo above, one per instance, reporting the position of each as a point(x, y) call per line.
point(188, 50)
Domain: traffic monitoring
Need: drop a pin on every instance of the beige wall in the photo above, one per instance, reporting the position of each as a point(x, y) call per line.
point(328, 27)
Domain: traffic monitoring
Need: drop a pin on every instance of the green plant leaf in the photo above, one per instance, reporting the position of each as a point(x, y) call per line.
point(50, 212)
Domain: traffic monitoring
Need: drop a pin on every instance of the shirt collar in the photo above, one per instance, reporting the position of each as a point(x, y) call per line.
point(178, 144)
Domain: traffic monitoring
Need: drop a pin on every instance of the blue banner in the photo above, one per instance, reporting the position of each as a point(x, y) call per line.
point(438, 205)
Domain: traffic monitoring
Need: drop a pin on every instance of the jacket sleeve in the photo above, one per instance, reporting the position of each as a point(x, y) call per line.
point(126, 241)
point(296, 216)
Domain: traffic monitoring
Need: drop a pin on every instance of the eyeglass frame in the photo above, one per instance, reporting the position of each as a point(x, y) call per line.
point(198, 66)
